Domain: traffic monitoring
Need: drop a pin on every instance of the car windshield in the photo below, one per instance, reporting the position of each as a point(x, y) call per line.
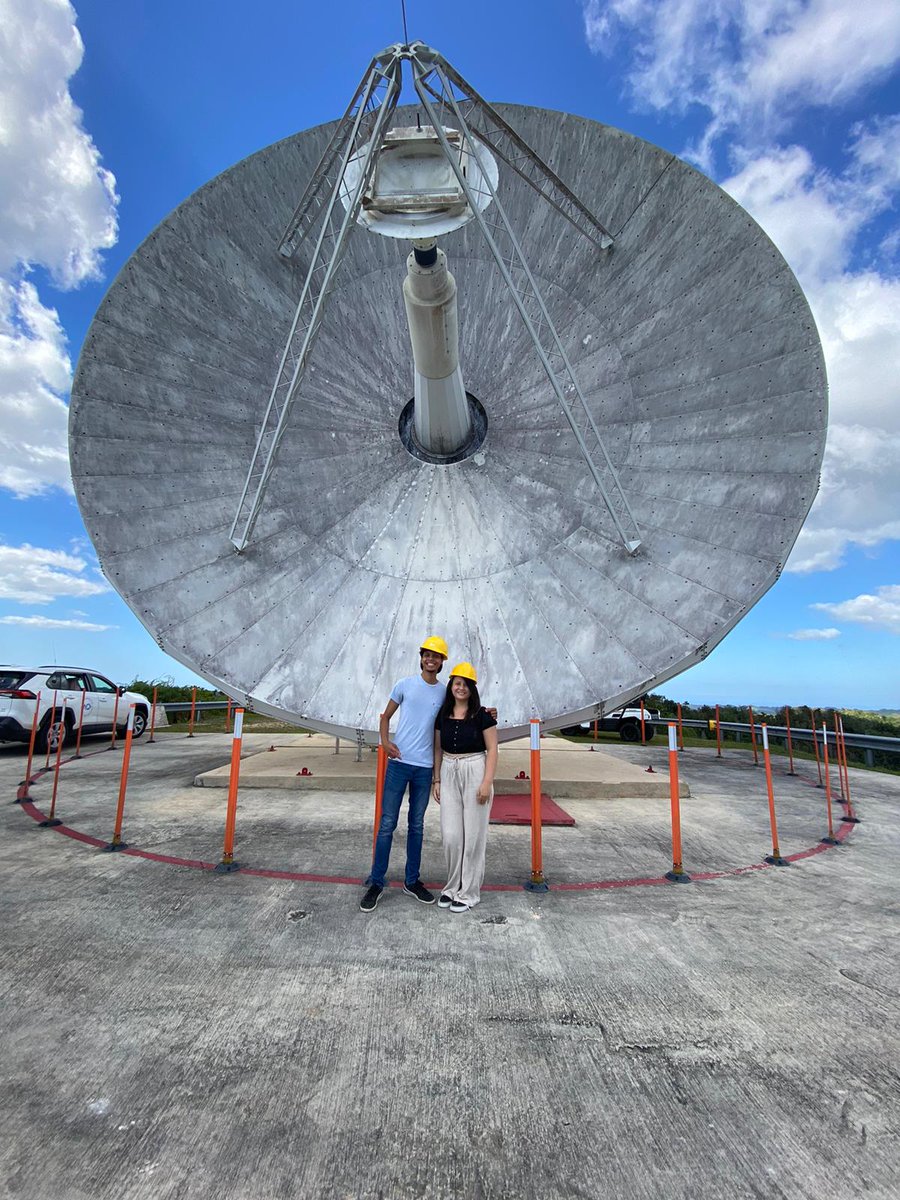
point(11, 680)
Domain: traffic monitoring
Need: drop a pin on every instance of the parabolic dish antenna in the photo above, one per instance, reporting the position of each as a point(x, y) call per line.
point(297, 555)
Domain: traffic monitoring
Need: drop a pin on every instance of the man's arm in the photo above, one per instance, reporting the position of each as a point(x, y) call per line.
point(384, 729)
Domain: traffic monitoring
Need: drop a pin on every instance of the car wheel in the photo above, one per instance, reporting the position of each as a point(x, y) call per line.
point(630, 731)
point(140, 722)
point(49, 732)
point(649, 731)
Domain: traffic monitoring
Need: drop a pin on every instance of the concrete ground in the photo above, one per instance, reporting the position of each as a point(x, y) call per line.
point(170, 1032)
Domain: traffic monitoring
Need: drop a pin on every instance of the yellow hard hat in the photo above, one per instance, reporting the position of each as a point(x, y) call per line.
point(464, 671)
point(437, 644)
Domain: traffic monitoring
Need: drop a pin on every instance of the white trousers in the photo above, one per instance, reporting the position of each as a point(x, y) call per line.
point(464, 826)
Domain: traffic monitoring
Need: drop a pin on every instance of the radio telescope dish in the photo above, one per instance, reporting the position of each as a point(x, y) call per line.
point(691, 342)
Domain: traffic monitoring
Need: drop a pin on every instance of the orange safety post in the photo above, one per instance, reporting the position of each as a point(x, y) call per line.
point(596, 728)
point(753, 737)
point(812, 719)
point(112, 742)
point(152, 737)
point(850, 816)
point(193, 710)
point(842, 749)
point(117, 843)
point(680, 730)
point(678, 873)
point(80, 725)
point(49, 728)
point(26, 782)
point(536, 883)
point(53, 819)
point(774, 859)
point(718, 735)
point(228, 716)
point(830, 840)
point(227, 865)
point(787, 721)
point(837, 754)
point(381, 762)
point(643, 739)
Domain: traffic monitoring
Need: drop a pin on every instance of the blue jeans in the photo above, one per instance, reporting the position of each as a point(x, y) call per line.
point(396, 778)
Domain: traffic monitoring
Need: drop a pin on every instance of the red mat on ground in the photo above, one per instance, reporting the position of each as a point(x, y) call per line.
point(515, 809)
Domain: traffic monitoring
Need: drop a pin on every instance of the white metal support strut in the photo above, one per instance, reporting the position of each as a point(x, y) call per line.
point(482, 118)
point(365, 121)
point(327, 203)
point(508, 255)
point(321, 182)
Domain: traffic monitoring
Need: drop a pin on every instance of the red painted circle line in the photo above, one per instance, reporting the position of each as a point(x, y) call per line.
point(841, 834)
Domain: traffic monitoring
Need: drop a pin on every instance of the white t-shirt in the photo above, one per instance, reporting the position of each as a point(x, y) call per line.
point(419, 703)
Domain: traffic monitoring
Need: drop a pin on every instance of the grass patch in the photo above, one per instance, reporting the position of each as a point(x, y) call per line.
point(214, 722)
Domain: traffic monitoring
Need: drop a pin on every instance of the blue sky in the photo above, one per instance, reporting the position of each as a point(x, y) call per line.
point(113, 113)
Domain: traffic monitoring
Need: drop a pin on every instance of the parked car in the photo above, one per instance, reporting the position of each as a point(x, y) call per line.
point(104, 703)
point(626, 722)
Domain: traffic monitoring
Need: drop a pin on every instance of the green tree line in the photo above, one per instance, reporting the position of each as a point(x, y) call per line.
point(168, 692)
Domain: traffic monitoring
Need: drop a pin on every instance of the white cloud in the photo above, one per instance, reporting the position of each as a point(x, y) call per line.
point(876, 154)
point(57, 210)
point(803, 210)
point(825, 49)
point(814, 216)
point(755, 66)
point(32, 575)
point(881, 611)
point(812, 635)
point(58, 203)
point(745, 61)
point(53, 623)
point(859, 500)
point(34, 375)
point(816, 219)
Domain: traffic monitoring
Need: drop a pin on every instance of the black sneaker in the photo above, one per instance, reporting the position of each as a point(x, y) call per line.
point(371, 898)
point(420, 892)
point(445, 901)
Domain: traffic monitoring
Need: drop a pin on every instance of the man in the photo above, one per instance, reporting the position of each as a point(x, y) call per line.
point(410, 762)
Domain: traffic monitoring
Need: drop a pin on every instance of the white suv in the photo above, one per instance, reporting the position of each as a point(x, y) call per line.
point(19, 688)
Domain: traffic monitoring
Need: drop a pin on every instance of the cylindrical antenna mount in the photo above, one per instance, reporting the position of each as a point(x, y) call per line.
point(442, 422)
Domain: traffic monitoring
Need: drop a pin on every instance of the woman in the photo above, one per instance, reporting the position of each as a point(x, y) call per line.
point(465, 759)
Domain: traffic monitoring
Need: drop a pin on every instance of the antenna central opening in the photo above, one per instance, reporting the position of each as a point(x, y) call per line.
point(474, 442)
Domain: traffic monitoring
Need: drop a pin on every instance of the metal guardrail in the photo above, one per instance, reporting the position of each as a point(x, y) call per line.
point(866, 742)
point(179, 706)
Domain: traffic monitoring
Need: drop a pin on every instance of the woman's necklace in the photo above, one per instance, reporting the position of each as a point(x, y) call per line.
point(460, 715)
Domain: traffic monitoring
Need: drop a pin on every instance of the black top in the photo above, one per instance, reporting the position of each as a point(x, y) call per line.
point(465, 736)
